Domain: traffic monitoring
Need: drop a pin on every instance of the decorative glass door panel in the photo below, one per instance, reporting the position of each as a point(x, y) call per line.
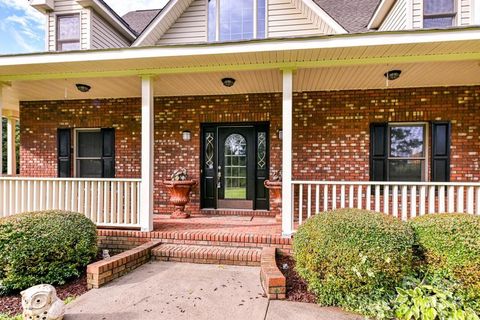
point(235, 167)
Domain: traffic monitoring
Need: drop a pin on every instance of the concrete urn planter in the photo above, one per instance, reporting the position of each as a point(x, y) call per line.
point(179, 196)
point(275, 188)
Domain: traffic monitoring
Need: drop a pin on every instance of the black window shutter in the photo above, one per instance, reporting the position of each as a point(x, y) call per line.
point(441, 151)
point(378, 151)
point(64, 151)
point(108, 153)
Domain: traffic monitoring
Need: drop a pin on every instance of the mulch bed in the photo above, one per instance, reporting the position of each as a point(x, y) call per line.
point(12, 304)
point(297, 289)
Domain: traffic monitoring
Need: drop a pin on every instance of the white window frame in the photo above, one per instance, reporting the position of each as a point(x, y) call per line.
point(217, 19)
point(57, 16)
point(75, 150)
point(426, 147)
point(456, 7)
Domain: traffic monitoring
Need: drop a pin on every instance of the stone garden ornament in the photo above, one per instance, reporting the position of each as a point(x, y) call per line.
point(41, 303)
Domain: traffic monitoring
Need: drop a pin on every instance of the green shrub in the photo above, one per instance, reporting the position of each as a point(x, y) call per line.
point(354, 258)
point(44, 247)
point(450, 247)
point(434, 298)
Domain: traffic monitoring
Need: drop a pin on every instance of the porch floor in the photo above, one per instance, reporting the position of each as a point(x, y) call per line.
point(257, 225)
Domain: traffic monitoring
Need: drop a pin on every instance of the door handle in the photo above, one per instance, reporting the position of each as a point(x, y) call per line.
point(219, 177)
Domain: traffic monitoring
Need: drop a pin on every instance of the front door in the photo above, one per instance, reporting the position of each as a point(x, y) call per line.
point(234, 166)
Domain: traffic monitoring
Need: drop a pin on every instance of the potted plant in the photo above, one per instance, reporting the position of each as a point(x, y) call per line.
point(275, 187)
point(179, 187)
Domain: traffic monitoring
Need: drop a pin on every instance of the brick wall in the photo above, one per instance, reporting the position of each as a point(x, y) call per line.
point(331, 130)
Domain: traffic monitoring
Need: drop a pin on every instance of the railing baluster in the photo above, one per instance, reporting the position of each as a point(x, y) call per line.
point(317, 199)
point(395, 201)
point(441, 199)
point(413, 201)
point(120, 203)
point(423, 193)
point(386, 199)
point(470, 200)
point(113, 204)
point(477, 201)
point(334, 197)
point(404, 203)
point(369, 197)
point(359, 197)
point(342, 196)
point(451, 199)
point(377, 198)
point(325, 198)
point(460, 207)
point(300, 204)
point(106, 197)
point(309, 201)
point(350, 197)
point(431, 199)
point(126, 201)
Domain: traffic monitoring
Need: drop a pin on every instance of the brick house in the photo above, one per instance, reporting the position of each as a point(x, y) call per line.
point(369, 104)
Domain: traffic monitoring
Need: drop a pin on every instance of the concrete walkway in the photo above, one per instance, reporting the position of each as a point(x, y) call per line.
point(166, 290)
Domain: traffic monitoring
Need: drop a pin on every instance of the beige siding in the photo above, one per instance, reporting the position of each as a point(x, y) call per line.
point(103, 35)
point(190, 27)
point(417, 14)
point(293, 18)
point(465, 12)
point(67, 7)
point(396, 18)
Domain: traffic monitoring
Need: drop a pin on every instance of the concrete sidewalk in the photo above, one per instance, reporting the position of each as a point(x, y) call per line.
point(166, 290)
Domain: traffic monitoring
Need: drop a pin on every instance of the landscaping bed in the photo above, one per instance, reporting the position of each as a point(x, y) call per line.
point(297, 288)
point(12, 304)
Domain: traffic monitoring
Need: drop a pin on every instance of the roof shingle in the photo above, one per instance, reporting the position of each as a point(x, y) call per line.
point(140, 19)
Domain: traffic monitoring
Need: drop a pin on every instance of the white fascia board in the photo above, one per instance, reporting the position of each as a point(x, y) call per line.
point(325, 16)
point(380, 13)
point(277, 45)
point(167, 10)
point(108, 16)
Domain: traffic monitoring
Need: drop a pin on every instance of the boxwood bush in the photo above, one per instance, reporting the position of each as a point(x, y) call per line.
point(450, 247)
point(354, 258)
point(44, 247)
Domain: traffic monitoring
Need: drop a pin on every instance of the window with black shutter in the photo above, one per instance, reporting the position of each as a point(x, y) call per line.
point(399, 151)
point(93, 153)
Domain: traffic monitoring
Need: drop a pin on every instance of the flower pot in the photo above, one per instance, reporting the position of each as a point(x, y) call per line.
point(179, 196)
point(275, 188)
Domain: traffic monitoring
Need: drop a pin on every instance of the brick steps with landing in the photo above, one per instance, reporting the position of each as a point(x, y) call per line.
point(208, 254)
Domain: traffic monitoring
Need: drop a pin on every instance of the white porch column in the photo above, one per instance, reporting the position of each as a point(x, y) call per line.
point(1, 131)
point(11, 150)
point(476, 12)
point(146, 196)
point(287, 105)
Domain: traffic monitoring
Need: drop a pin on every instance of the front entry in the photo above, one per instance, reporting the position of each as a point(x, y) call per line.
point(234, 166)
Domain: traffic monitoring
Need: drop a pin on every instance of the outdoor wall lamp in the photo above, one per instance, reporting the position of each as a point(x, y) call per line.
point(228, 82)
point(83, 87)
point(186, 135)
point(280, 134)
point(393, 74)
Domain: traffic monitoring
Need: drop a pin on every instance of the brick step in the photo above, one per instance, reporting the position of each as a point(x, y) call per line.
point(240, 256)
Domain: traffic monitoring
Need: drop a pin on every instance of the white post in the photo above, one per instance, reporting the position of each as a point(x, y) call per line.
point(476, 12)
point(146, 196)
point(287, 113)
point(11, 152)
point(1, 127)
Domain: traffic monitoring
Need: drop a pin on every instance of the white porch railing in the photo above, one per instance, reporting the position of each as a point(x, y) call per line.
point(401, 199)
point(107, 202)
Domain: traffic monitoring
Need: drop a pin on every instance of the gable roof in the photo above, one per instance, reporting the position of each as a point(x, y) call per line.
point(353, 15)
point(138, 20)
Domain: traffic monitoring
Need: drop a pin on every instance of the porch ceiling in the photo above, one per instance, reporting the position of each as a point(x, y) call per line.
point(430, 58)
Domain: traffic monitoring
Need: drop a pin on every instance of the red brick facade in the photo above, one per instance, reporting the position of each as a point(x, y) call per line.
point(331, 130)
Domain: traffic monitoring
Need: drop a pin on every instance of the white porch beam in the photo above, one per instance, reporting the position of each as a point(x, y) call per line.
point(287, 115)
point(11, 144)
point(146, 187)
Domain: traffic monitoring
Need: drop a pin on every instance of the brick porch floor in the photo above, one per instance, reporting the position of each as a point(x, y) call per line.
point(258, 225)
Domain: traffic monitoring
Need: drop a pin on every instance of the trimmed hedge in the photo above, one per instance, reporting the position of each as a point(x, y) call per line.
point(353, 258)
point(450, 245)
point(44, 247)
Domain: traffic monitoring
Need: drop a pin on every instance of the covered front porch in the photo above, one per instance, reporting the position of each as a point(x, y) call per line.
point(317, 97)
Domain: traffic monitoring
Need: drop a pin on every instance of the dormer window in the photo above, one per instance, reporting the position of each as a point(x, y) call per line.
point(438, 13)
point(232, 20)
point(68, 32)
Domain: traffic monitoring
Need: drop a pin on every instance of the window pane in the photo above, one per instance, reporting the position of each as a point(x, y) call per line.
point(438, 6)
point(68, 27)
point(89, 144)
point(236, 19)
point(261, 19)
point(89, 168)
point(405, 170)
point(69, 46)
point(212, 14)
point(406, 141)
point(443, 22)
